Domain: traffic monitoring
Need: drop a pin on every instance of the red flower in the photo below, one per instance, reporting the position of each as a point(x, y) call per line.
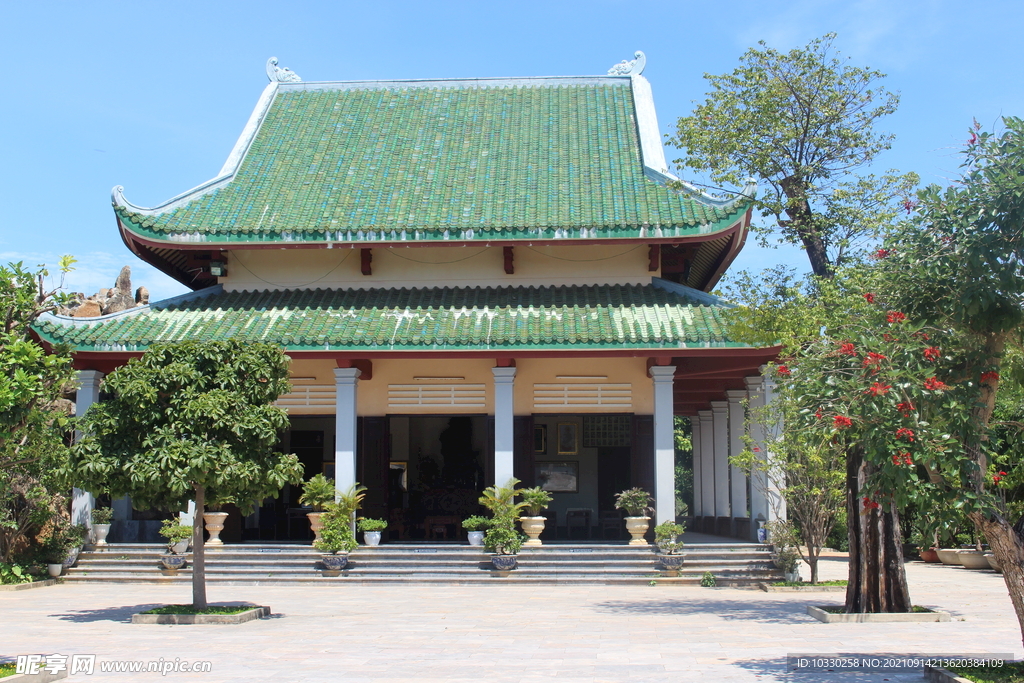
point(904, 433)
point(909, 204)
point(870, 504)
point(895, 317)
point(973, 139)
point(906, 408)
point(870, 297)
point(907, 460)
point(878, 389)
point(842, 422)
point(818, 414)
point(989, 377)
point(1003, 474)
point(874, 359)
point(933, 384)
point(882, 253)
point(847, 349)
point(896, 460)
point(932, 353)
point(996, 480)
point(783, 370)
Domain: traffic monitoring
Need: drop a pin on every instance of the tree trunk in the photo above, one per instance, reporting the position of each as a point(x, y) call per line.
point(1008, 548)
point(199, 551)
point(812, 562)
point(801, 221)
point(878, 579)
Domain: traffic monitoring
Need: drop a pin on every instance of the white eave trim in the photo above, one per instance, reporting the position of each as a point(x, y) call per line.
point(227, 171)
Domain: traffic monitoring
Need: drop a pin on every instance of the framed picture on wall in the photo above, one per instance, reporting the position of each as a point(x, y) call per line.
point(568, 438)
point(558, 477)
point(540, 438)
point(329, 470)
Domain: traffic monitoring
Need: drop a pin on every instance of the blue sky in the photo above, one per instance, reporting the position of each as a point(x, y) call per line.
point(152, 96)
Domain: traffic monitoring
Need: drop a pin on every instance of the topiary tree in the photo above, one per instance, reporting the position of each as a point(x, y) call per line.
point(190, 421)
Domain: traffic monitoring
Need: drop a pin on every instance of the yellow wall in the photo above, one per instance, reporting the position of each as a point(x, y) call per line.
point(473, 266)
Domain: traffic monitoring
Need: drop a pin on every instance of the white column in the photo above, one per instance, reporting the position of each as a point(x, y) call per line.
point(720, 425)
point(776, 503)
point(707, 464)
point(82, 502)
point(504, 436)
point(346, 381)
point(695, 444)
point(187, 516)
point(758, 483)
point(664, 444)
point(737, 426)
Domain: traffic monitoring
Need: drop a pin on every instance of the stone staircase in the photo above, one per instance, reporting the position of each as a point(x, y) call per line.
point(733, 564)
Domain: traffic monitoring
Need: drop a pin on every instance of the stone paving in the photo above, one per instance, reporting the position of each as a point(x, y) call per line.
point(575, 634)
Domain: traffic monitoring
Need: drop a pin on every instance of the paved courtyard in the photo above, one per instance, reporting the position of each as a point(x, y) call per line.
point(574, 634)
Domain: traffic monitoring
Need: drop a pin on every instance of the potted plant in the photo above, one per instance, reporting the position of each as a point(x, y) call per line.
point(178, 537)
point(785, 548)
point(665, 535)
point(214, 520)
point(317, 493)
point(55, 551)
point(101, 518)
point(635, 501)
point(534, 499)
point(336, 539)
point(475, 527)
point(371, 529)
point(502, 539)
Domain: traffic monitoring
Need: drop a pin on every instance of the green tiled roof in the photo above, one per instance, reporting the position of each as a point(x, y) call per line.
point(459, 161)
point(594, 317)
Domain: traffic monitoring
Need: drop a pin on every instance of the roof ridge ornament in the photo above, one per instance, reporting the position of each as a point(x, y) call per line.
point(280, 74)
point(630, 68)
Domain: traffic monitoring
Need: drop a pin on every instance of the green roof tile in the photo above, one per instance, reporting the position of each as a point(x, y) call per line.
point(428, 163)
point(580, 317)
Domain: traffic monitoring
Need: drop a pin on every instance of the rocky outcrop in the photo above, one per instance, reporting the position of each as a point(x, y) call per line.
point(106, 301)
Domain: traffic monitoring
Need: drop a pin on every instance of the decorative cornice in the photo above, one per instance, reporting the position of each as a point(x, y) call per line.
point(278, 74)
point(630, 68)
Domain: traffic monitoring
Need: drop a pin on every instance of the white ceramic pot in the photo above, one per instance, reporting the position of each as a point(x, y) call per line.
point(214, 525)
point(179, 548)
point(99, 532)
point(532, 527)
point(991, 559)
point(315, 524)
point(973, 559)
point(371, 537)
point(55, 569)
point(476, 537)
point(949, 556)
point(792, 576)
point(637, 527)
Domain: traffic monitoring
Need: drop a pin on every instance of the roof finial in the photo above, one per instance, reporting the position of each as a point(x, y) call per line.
point(279, 74)
point(633, 68)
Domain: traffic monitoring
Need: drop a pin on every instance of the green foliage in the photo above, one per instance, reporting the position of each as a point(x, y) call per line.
point(634, 501)
point(683, 435)
point(351, 499)
point(802, 121)
point(102, 515)
point(535, 499)
point(189, 415)
point(476, 523)
point(13, 574)
point(189, 609)
point(336, 535)
point(370, 524)
point(61, 539)
point(317, 492)
point(174, 532)
point(785, 545)
point(502, 537)
point(665, 535)
point(707, 580)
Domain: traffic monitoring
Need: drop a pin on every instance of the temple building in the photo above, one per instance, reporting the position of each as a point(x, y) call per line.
point(475, 279)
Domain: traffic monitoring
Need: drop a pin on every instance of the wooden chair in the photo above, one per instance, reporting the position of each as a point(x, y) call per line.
point(610, 520)
point(577, 518)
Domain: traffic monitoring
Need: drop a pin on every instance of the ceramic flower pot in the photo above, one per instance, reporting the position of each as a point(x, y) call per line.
point(371, 537)
point(99, 532)
point(214, 525)
point(929, 555)
point(991, 558)
point(504, 562)
point(671, 562)
point(949, 556)
point(476, 537)
point(335, 563)
point(179, 548)
point(172, 561)
point(315, 524)
point(532, 527)
point(973, 559)
point(637, 527)
point(55, 569)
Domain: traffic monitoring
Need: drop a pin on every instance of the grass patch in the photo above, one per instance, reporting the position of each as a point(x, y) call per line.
point(799, 584)
point(189, 609)
point(1011, 672)
point(7, 669)
point(842, 610)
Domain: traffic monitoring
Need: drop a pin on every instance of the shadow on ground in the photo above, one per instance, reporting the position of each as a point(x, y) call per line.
point(124, 613)
point(767, 611)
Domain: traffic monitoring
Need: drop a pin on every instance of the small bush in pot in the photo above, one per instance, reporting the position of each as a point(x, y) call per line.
point(101, 519)
point(371, 529)
point(102, 516)
point(665, 535)
point(534, 499)
point(317, 493)
point(502, 538)
point(476, 526)
point(336, 538)
point(635, 501)
point(178, 537)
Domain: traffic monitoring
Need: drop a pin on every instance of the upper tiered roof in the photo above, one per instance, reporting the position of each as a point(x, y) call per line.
point(554, 159)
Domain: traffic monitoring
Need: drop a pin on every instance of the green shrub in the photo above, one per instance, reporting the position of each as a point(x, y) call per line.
point(476, 523)
point(536, 499)
point(102, 516)
point(665, 535)
point(13, 573)
point(317, 492)
point(634, 501)
point(368, 524)
point(336, 535)
point(708, 580)
point(174, 532)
